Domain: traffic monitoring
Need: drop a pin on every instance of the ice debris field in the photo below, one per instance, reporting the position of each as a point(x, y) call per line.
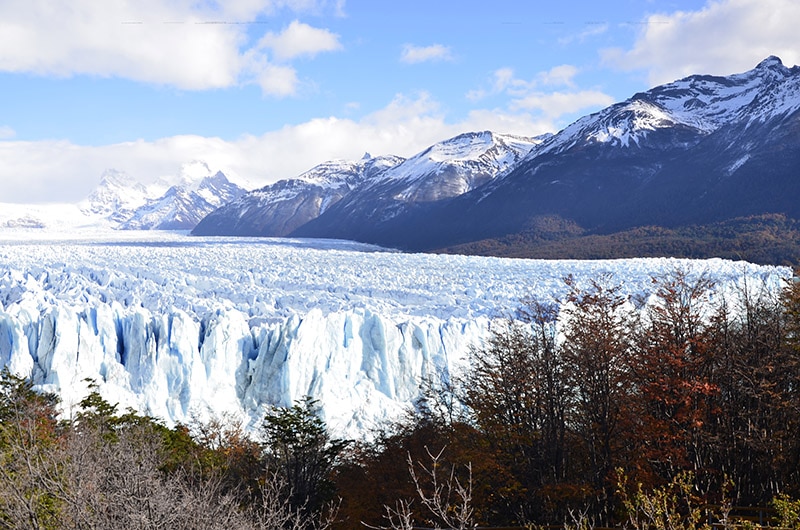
point(186, 328)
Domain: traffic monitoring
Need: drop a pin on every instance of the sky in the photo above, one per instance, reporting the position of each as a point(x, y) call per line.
point(266, 89)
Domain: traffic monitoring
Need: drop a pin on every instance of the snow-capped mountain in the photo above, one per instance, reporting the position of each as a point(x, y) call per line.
point(183, 206)
point(114, 201)
point(280, 208)
point(445, 170)
point(700, 150)
point(455, 166)
point(692, 107)
point(191, 328)
point(337, 199)
point(116, 198)
point(121, 202)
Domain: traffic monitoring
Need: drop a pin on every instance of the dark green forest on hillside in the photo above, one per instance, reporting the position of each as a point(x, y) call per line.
point(772, 239)
point(662, 418)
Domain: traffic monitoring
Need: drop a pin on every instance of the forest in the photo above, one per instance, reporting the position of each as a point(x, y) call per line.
point(767, 239)
point(594, 411)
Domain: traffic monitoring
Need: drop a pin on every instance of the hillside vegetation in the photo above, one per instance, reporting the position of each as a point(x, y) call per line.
point(766, 239)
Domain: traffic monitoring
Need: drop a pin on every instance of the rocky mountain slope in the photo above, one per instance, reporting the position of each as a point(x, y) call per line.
point(282, 207)
point(370, 191)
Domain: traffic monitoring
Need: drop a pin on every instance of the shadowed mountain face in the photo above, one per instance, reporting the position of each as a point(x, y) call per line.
point(370, 191)
point(700, 150)
point(280, 208)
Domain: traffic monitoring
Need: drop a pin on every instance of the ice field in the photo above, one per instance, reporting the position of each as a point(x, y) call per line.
point(182, 327)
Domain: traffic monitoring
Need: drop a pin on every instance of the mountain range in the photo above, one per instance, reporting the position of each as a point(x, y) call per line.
point(120, 202)
point(373, 189)
point(684, 167)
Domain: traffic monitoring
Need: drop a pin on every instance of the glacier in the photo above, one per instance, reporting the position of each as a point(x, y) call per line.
point(192, 328)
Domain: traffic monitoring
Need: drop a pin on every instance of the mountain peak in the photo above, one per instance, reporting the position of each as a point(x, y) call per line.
point(217, 179)
point(117, 179)
point(773, 68)
point(117, 191)
point(770, 62)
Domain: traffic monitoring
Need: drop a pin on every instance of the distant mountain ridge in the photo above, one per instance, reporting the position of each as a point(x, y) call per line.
point(377, 188)
point(183, 206)
point(697, 152)
point(120, 202)
point(280, 208)
point(116, 198)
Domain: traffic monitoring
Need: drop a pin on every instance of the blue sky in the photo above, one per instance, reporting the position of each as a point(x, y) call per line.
point(265, 89)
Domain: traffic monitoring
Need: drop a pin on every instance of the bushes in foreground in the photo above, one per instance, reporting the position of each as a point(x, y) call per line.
point(105, 470)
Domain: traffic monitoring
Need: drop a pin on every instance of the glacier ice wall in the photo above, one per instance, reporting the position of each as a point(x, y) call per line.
point(362, 366)
point(193, 328)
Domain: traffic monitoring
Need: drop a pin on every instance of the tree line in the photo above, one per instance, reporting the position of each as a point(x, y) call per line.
point(767, 239)
point(590, 411)
point(574, 404)
point(103, 469)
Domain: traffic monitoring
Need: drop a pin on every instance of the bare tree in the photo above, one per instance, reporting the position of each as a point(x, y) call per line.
point(118, 473)
point(447, 499)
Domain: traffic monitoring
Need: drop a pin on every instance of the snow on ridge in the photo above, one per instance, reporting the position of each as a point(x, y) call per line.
point(455, 166)
point(700, 102)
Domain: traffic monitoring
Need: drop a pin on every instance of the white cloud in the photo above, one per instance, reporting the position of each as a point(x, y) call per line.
point(559, 75)
point(6, 132)
point(186, 44)
point(724, 37)
point(555, 104)
point(591, 30)
point(300, 39)
point(62, 171)
point(274, 79)
point(420, 54)
point(530, 95)
point(502, 79)
point(505, 81)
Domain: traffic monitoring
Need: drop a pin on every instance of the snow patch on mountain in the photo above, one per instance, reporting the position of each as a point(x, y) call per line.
point(334, 175)
point(632, 122)
point(183, 206)
point(456, 166)
point(279, 208)
point(117, 196)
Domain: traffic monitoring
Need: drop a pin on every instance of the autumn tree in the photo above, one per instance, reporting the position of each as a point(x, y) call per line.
point(751, 428)
point(516, 392)
point(28, 446)
point(598, 340)
point(673, 369)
